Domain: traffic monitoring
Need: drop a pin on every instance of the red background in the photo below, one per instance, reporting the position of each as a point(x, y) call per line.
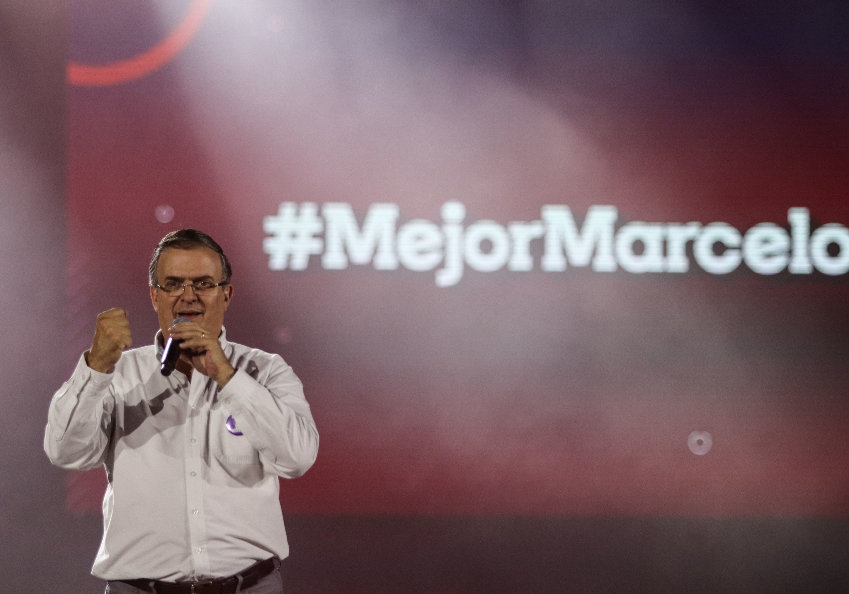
point(520, 431)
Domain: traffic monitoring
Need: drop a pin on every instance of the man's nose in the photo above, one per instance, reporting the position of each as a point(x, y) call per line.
point(188, 293)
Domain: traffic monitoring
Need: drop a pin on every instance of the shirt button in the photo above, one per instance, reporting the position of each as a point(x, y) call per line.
point(193, 473)
point(193, 440)
point(195, 512)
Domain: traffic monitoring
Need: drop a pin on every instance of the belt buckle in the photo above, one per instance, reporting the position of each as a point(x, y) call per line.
point(204, 586)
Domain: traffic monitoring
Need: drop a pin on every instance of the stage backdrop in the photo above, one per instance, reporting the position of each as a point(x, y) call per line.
point(554, 274)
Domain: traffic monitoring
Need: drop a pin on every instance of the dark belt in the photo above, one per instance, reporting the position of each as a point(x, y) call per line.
point(225, 585)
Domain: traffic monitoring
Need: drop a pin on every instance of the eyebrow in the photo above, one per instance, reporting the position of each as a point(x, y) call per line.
point(194, 280)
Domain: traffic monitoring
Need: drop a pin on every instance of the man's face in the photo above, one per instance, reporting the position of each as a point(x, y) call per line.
point(186, 266)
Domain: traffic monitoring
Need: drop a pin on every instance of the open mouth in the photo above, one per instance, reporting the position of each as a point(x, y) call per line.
point(189, 315)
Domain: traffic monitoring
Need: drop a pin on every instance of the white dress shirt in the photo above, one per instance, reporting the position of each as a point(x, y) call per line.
point(186, 498)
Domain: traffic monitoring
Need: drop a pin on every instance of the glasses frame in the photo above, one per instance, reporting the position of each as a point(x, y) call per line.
point(193, 284)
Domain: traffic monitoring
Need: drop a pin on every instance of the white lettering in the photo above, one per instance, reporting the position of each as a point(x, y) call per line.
point(496, 236)
point(453, 214)
point(722, 261)
point(297, 232)
point(677, 238)
point(650, 237)
point(522, 234)
point(765, 248)
point(419, 245)
point(344, 241)
point(800, 231)
point(596, 236)
point(830, 234)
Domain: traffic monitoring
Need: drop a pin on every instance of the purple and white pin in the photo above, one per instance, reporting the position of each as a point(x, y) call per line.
point(231, 426)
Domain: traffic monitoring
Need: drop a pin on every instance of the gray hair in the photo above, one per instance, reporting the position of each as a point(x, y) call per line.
point(186, 239)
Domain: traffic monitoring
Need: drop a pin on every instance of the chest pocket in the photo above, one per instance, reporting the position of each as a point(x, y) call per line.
point(233, 454)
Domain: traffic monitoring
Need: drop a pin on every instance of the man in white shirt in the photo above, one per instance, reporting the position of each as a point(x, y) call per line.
point(192, 457)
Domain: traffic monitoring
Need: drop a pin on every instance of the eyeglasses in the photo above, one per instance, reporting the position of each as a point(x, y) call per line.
point(200, 287)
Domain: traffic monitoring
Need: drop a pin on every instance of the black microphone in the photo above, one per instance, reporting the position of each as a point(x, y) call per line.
point(171, 352)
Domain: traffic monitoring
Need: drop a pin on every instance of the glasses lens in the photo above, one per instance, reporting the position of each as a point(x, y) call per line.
point(203, 286)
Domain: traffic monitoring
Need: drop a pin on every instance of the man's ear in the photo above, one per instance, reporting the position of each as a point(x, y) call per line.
point(154, 299)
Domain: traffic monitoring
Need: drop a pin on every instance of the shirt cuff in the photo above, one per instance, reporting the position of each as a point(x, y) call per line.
point(85, 375)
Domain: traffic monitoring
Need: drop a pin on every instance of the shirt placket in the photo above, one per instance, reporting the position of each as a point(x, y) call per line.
point(194, 443)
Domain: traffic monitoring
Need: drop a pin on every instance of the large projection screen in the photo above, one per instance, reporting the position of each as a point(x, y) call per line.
point(565, 282)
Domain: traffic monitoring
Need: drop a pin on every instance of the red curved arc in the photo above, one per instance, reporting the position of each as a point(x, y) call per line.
point(122, 71)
